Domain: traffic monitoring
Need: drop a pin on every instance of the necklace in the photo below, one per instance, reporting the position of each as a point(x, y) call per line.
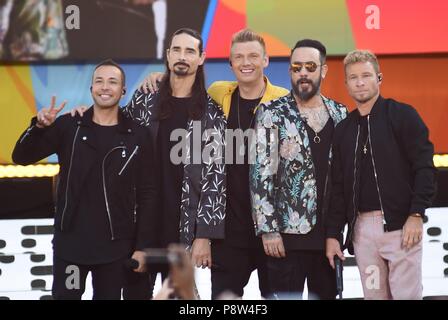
point(260, 95)
point(366, 130)
point(316, 138)
point(315, 118)
point(364, 149)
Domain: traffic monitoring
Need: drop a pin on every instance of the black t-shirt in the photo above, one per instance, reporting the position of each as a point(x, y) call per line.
point(368, 195)
point(88, 241)
point(240, 229)
point(315, 239)
point(171, 175)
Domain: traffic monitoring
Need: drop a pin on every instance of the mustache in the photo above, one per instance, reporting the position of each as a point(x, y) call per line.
point(181, 64)
point(304, 80)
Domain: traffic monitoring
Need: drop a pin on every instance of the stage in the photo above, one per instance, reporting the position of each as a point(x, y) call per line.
point(26, 262)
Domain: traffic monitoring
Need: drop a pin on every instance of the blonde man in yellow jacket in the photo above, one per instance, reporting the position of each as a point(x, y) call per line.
point(221, 92)
point(241, 252)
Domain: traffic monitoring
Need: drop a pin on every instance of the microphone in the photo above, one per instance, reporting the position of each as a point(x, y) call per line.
point(131, 264)
point(339, 276)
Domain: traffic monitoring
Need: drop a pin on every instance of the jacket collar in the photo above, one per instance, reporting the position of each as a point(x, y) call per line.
point(377, 105)
point(268, 94)
point(125, 125)
point(375, 109)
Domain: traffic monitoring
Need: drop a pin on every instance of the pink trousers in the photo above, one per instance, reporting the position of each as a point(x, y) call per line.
point(387, 270)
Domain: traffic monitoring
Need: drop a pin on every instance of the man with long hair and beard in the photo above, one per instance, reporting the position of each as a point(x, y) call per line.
point(192, 193)
point(241, 252)
point(289, 202)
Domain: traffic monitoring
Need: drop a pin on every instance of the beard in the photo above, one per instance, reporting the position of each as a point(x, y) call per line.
point(183, 71)
point(306, 95)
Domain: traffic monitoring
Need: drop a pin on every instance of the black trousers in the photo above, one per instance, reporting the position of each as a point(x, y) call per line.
point(232, 267)
point(69, 280)
point(287, 275)
point(139, 286)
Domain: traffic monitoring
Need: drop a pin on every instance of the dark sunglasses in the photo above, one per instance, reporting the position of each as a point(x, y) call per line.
point(310, 66)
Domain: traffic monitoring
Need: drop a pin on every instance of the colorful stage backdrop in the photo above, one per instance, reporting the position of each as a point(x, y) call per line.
point(410, 36)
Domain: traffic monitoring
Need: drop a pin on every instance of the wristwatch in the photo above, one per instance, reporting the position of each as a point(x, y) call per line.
point(418, 215)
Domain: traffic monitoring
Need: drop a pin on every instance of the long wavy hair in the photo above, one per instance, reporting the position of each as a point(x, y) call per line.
point(198, 91)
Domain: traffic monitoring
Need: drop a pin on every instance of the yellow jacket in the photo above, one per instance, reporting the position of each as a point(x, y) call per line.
point(221, 92)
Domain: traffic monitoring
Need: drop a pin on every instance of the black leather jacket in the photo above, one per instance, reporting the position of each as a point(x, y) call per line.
point(127, 172)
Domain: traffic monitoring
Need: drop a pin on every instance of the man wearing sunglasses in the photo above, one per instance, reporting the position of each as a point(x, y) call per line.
point(290, 191)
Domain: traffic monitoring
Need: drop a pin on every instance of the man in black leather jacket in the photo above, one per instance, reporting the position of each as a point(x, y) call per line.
point(106, 191)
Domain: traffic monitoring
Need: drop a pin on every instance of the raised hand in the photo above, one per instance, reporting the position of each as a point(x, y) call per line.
point(47, 115)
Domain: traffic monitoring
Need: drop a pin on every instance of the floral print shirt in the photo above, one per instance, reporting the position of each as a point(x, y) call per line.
point(282, 178)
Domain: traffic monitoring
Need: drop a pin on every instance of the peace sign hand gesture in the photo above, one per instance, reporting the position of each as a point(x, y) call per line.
point(47, 116)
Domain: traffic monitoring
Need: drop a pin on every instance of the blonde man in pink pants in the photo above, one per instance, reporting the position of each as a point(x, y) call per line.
point(383, 179)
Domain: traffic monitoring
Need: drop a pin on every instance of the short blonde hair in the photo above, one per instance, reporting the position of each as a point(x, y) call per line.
point(361, 56)
point(248, 35)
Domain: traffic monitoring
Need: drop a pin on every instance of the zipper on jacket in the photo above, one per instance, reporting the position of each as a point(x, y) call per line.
point(129, 159)
point(105, 191)
point(27, 133)
point(135, 206)
point(376, 176)
point(326, 184)
point(68, 177)
point(354, 185)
